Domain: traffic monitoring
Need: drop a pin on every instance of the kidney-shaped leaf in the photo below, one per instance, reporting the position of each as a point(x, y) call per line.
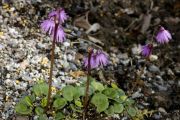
point(97, 86)
point(39, 110)
point(118, 108)
point(131, 111)
point(59, 103)
point(111, 93)
point(40, 89)
point(110, 110)
point(27, 100)
point(59, 116)
point(44, 102)
point(68, 92)
point(43, 117)
point(21, 108)
point(100, 101)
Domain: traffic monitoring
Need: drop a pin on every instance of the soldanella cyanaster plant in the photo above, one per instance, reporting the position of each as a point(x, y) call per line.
point(80, 101)
point(87, 99)
point(163, 37)
point(95, 59)
point(53, 26)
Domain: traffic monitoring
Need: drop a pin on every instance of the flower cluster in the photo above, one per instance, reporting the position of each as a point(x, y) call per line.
point(56, 17)
point(163, 36)
point(146, 50)
point(98, 58)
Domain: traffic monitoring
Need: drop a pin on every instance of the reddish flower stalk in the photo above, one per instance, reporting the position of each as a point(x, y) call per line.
point(95, 59)
point(52, 62)
point(86, 99)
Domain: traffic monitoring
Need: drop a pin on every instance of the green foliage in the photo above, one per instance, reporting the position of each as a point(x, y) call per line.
point(131, 111)
point(39, 110)
point(59, 116)
point(40, 89)
point(43, 117)
point(68, 92)
point(75, 108)
point(105, 100)
point(97, 86)
point(27, 100)
point(109, 111)
point(44, 102)
point(23, 109)
point(100, 101)
point(118, 108)
point(59, 103)
point(111, 93)
point(78, 103)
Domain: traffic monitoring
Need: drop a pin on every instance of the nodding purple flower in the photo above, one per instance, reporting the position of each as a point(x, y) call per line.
point(146, 50)
point(97, 59)
point(163, 36)
point(60, 14)
point(48, 26)
point(60, 36)
point(101, 58)
point(93, 63)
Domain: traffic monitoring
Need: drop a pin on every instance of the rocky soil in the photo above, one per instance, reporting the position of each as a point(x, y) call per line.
point(119, 27)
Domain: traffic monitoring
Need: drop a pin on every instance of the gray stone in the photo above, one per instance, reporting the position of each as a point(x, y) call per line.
point(26, 78)
point(9, 82)
point(73, 66)
point(153, 69)
point(22, 118)
point(162, 110)
point(70, 57)
point(157, 116)
point(137, 94)
point(122, 56)
point(125, 62)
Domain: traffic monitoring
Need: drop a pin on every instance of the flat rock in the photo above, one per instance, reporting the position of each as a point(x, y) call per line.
point(153, 68)
point(22, 118)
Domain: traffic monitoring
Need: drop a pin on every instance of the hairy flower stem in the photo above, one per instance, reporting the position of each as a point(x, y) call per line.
point(51, 67)
point(86, 99)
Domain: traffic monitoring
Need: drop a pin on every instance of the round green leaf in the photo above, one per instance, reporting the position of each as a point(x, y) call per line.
point(44, 102)
point(68, 92)
point(59, 116)
point(100, 101)
point(111, 93)
point(22, 108)
point(43, 117)
point(110, 110)
point(40, 89)
point(75, 108)
point(97, 86)
point(32, 97)
point(78, 103)
point(77, 92)
point(121, 99)
point(27, 100)
point(129, 102)
point(120, 92)
point(131, 111)
point(39, 110)
point(59, 103)
point(118, 108)
point(114, 85)
point(81, 90)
